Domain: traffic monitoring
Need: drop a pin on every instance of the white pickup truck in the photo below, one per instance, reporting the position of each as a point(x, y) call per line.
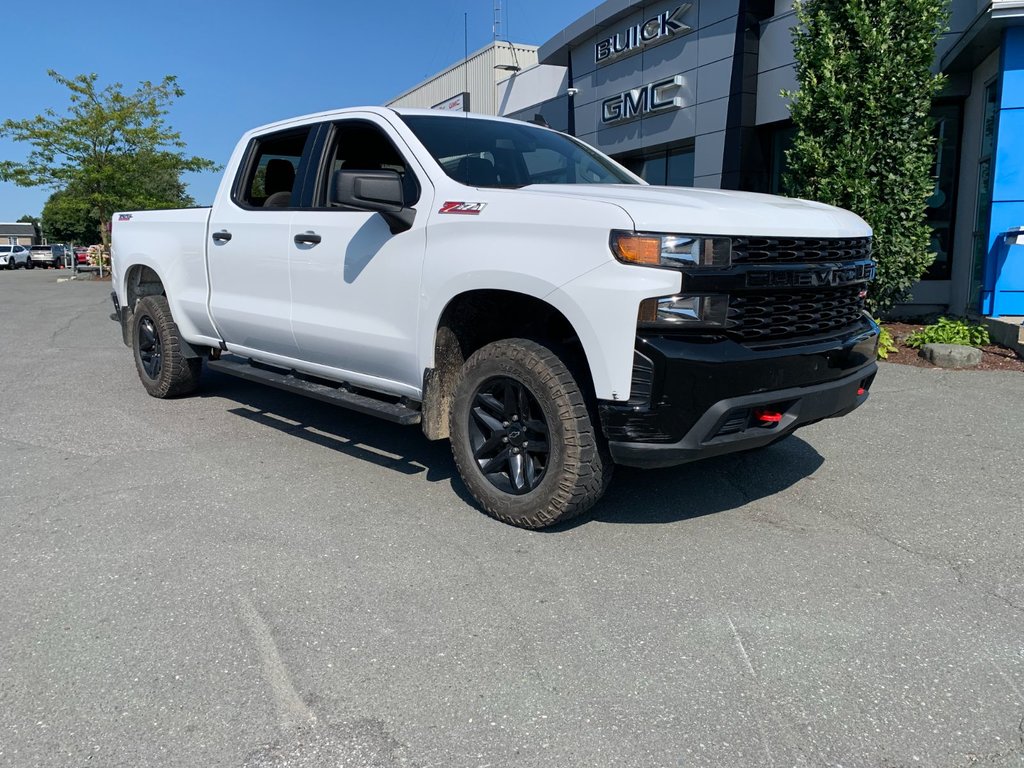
point(508, 288)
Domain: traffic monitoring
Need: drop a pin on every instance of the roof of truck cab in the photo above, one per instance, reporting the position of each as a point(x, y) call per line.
point(382, 111)
point(448, 113)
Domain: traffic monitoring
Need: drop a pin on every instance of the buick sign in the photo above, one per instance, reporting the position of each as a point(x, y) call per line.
point(656, 28)
point(639, 101)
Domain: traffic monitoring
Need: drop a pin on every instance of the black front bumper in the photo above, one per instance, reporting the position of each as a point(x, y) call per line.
point(699, 397)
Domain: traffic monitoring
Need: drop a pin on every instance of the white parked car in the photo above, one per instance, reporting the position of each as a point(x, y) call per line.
point(14, 257)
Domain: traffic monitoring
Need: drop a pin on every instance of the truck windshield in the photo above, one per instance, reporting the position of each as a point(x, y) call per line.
point(494, 153)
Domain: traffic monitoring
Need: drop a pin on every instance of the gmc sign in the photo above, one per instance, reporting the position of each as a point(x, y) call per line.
point(638, 101)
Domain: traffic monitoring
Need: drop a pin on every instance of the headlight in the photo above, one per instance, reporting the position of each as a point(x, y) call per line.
point(660, 250)
point(708, 311)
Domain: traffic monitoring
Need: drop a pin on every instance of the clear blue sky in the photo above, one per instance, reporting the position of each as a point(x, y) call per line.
point(243, 64)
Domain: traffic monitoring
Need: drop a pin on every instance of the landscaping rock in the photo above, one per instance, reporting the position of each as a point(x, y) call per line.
point(951, 355)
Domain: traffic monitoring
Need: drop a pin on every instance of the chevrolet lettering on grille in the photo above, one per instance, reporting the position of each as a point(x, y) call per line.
point(814, 277)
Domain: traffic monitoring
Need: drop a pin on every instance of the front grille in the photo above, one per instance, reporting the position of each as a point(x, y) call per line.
point(783, 250)
point(770, 316)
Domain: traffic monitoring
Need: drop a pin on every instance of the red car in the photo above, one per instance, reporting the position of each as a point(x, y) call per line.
point(81, 255)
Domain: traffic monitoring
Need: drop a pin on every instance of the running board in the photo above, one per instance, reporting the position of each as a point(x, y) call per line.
point(289, 382)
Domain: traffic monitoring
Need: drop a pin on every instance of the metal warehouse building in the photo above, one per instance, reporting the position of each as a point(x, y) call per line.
point(471, 85)
point(690, 94)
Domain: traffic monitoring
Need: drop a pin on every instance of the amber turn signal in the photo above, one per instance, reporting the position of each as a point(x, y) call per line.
point(637, 249)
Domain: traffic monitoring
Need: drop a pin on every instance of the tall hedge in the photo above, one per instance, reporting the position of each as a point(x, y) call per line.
point(863, 132)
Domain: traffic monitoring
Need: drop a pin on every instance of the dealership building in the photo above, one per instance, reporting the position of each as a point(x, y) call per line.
point(690, 94)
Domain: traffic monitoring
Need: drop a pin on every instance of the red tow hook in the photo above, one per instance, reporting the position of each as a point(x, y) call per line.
point(765, 416)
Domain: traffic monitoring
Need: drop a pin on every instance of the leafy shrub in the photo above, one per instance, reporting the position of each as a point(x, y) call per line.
point(886, 343)
point(949, 331)
point(863, 133)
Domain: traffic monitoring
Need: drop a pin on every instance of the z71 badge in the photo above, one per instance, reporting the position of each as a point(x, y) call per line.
point(469, 209)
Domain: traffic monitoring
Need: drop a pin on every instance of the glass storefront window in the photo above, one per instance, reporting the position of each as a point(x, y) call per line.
point(652, 170)
point(781, 142)
point(941, 211)
point(983, 208)
point(679, 169)
point(673, 168)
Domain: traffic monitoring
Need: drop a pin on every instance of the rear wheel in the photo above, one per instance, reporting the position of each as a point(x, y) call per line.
point(523, 437)
point(29, 264)
point(163, 368)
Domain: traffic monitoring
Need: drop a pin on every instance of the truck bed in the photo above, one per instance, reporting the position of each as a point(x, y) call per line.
point(173, 243)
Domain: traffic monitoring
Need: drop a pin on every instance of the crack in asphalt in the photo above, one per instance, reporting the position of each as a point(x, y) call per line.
point(65, 454)
point(991, 758)
point(956, 568)
point(66, 325)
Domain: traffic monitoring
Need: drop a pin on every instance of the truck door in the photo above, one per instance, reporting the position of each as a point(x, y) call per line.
point(355, 285)
point(250, 300)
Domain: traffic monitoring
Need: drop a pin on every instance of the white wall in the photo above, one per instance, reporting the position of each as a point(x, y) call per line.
point(531, 87)
point(477, 75)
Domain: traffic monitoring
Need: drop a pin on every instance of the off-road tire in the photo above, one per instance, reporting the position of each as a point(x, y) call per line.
point(176, 374)
point(578, 465)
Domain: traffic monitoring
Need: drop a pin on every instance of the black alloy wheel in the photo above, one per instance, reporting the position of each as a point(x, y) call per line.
point(509, 435)
point(151, 350)
point(525, 435)
point(159, 352)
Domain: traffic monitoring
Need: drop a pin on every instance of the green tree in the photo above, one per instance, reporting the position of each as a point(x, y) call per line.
point(109, 149)
point(152, 180)
point(69, 218)
point(863, 132)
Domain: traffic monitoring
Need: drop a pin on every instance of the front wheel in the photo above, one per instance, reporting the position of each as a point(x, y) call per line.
point(163, 368)
point(524, 440)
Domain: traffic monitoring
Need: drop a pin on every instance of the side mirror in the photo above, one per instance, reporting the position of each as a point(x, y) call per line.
point(379, 191)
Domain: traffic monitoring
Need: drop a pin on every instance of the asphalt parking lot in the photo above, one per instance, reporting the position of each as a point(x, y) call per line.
point(248, 578)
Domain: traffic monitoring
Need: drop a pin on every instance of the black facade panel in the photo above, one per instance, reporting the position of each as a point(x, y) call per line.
point(744, 163)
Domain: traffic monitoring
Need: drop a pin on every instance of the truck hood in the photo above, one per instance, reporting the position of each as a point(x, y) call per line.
point(716, 211)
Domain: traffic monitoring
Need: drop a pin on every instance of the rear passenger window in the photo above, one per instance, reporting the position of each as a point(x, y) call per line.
point(271, 176)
